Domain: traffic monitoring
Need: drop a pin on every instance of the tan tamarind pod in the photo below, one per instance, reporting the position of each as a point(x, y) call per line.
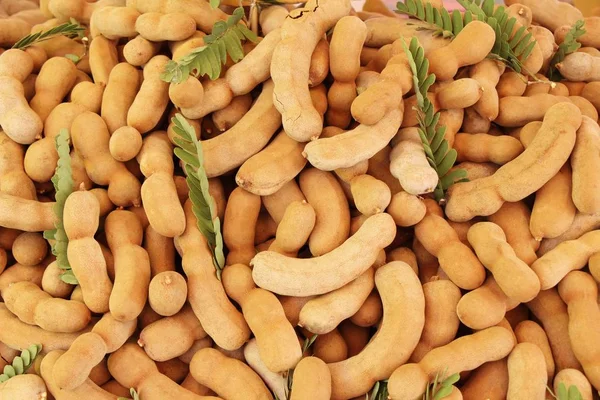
point(438, 238)
point(125, 143)
point(89, 95)
point(294, 229)
point(217, 95)
point(474, 123)
point(356, 337)
point(594, 266)
point(114, 387)
point(482, 147)
point(20, 273)
point(26, 386)
point(229, 116)
point(167, 293)
point(152, 99)
point(485, 306)
point(29, 248)
point(52, 284)
point(159, 26)
point(16, 63)
point(379, 167)
point(36, 307)
point(463, 354)
point(324, 193)
point(344, 54)
point(161, 251)
point(226, 376)
point(267, 171)
point(121, 88)
point(303, 277)
point(81, 219)
point(511, 83)
point(551, 311)
point(580, 292)
point(124, 235)
point(265, 228)
point(274, 381)
point(530, 332)
point(131, 367)
point(276, 338)
point(406, 209)
point(300, 119)
point(19, 335)
point(490, 381)
point(277, 203)
point(582, 223)
point(313, 380)
point(568, 256)
point(172, 336)
point(554, 198)
point(409, 164)
point(330, 347)
point(198, 345)
point(114, 22)
point(586, 107)
point(514, 219)
point(323, 313)
point(103, 58)
point(272, 18)
point(583, 161)
point(527, 376)
point(55, 80)
point(572, 377)
point(513, 275)
point(371, 196)
point(370, 312)
point(441, 299)
point(319, 63)
point(205, 292)
point(357, 374)
point(487, 73)
point(187, 93)
point(470, 90)
point(158, 191)
point(339, 98)
point(403, 254)
point(239, 225)
point(138, 51)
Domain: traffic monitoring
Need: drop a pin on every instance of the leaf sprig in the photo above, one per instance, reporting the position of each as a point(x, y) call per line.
point(63, 185)
point(568, 46)
point(70, 29)
point(21, 364)
point(379, 391)
point(441, 387)
point(437, 149)
point(563, 393)
point(511, 49)
point(189, 150)
point(226, 38)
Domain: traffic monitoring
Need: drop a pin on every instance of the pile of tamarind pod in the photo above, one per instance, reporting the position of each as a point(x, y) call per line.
point(343, 273)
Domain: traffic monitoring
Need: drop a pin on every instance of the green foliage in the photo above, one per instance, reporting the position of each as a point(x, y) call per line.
point(437, 150)
point(226, 38)
point(379, 391)
point(63, 185)
point(21, 364)
point(214, 3)
point(566, 394)
point(441, 387)
point(512, 50)
point(568, 46)
point(189, 150)
point(133, 394)
point(70, 29)
point(309, 342)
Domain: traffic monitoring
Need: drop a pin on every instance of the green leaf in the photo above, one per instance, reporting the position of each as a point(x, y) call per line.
point(568, 46)
point(309, 342)
point(450, 179)
point(226, 38)
point(189, 150)
point(457, 22)
point(214, 4)
point(574, 393)
point(22, 363)
point(562, 392)
point(443, 392)
point(70, 29)
point(63, 185)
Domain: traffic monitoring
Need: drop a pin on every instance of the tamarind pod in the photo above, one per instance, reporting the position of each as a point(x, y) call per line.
point(205, 292)
point(580, 292)
point(291, 63)
point(23, 387)
point(526, 372)
point(490, 381)
point(323, 313)
point(294, 229)
point(120, 92)
point(103, 57)
point(344, 54)
point(267, 171)
point(584, 161)
point(582, 223)
point(313, 380)
point(409, 164)
point(277, 203)
point(530, 332)
point(525, 174)
point(463, 354)
point(304, 277)
point(232, 148)
point(131, 367)
point(551, 311)
point(19, 335)
point(441, 300)
point(351, 147)
point(18, 120)
point(568, 256)
point(554, 198)
point(356, 375)
point(25, 215)
point(572, 377)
